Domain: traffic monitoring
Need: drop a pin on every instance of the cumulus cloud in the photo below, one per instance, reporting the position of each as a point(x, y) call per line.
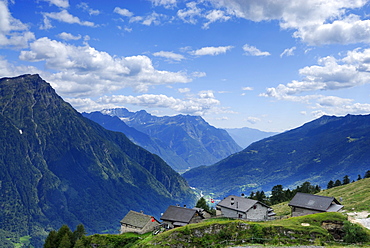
point(214, 16)
point(211, 50)
point(64, 16)
point(13, 33)
point(164, 3)
point(68, 36)
point(190, 14)
point(59, 3)
point(253, 51)
point(123, 12)
point(288, 52)
point(328, 75)
point(316, 21)
point(253, 120)
point(196, 105)
point(169, 55)
point(87, 9)
point(85, 71)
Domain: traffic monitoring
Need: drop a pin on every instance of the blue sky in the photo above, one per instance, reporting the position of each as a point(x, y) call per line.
point(266, 64)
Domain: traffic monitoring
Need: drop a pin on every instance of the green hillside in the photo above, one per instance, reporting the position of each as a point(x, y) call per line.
point(324, 149)
point(355, 197)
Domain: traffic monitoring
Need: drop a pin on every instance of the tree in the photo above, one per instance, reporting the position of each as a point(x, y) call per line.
point(330, 184)
point(78, 233)
point(201, 203)
point(367, 174)
point(346, 180)
point(337, 183)
point(51, 240)
point(359, 177)
point(65, 242)
point(277, 194)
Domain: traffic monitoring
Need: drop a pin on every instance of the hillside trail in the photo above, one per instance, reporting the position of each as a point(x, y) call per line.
point(361, 218)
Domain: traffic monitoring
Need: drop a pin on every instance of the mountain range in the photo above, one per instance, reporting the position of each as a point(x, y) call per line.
point(183, 141)
point(325, 149)
point(58, 167)
point(245, 136)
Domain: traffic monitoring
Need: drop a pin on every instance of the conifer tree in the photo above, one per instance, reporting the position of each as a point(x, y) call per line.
point(78, 233)
point(65, 242)
point(367, 174)
point(337, 183)
point(330, 184)
point(346, 180)
point(51, 240)
point(201, 203)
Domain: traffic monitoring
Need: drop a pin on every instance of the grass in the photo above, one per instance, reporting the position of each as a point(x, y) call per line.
point(355, 196)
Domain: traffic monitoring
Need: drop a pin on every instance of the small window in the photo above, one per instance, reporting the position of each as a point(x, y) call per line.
point(255, 206)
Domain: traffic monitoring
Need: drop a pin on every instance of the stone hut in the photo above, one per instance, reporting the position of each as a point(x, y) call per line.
point(138, 223)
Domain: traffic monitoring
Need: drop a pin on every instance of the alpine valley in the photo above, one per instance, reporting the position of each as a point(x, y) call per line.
point(325, 149)
point(183, 141)
point(58, 167)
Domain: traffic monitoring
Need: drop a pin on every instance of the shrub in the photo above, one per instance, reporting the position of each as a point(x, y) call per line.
point(354, 233)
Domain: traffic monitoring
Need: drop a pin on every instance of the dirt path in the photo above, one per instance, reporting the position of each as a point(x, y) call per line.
point(360, 218)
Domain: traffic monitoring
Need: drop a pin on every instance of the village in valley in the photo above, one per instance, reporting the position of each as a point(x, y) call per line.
point(233, 207)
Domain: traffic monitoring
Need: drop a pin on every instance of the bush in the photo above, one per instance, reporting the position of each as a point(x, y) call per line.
point(354, 233)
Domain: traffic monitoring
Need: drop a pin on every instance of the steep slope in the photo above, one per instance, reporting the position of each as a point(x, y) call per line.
point(153, 145)
point(57, 167)
point(326, 148)
point(190, 137)
point(245, 136)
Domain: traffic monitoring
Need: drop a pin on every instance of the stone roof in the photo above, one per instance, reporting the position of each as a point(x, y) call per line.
point(178, 214)
point(239, 203)
point(136, 219)
point(315, 202)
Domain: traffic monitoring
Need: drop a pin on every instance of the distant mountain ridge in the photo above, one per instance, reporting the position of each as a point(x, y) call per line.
point(190, 138)
point(57, 167)
point(319, 151)
point(245, 136)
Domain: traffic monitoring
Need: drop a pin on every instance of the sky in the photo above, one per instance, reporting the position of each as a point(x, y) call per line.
point(271, 65)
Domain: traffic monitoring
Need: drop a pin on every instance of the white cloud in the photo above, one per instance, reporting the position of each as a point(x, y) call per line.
point(215, 15)
point(316, 21)
point(89, 10)
point(154, 18)
point(13, 33)
point(247, 88)
point(190, 14)
point(123, 12)
point(184, 90)
point(165, 3)
point(84, 71)
point(59, 3)
point(288, 52)
point(253, 51)
point(10, 70)
point(253, 120)
point(64, 16)
point(197, 105)
point(330, 74)
point(211, 50)
point(347, 31)
point(169, 55)
point(68, 36)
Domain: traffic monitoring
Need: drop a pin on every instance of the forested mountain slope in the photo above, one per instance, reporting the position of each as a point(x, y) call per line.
point(57, 167)
point(319, 151)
